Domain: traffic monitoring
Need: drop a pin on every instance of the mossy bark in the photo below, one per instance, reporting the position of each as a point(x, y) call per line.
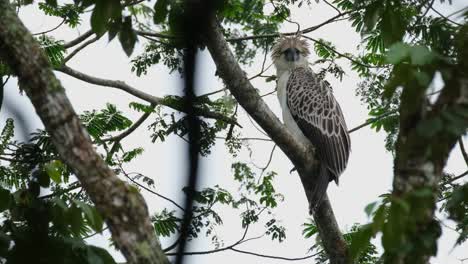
point(419, 164)
point(122, 207)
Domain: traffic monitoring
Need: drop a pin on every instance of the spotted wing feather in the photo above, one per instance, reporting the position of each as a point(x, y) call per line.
point(317, 113)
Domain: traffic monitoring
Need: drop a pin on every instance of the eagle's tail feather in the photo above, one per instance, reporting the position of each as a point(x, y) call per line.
point(319, 188)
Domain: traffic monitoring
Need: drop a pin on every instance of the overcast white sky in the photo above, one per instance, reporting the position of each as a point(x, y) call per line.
point(369, 172)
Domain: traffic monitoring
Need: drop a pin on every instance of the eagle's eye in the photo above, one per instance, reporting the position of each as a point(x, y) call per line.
point(291, 54)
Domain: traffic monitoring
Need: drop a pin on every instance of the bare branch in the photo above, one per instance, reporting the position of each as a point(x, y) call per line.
point(275, 35)
point(444, 17)
point(79, 48)
point(273, 257)
point(341, 54)
point(372, 120)
point(50, 30)
point(132, 128)
point(332, 6)
point(149, 190)
point(142, 95)
point(78, 40)
point(463, 150)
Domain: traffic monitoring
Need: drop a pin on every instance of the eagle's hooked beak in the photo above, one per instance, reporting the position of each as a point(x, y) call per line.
point(291, 54)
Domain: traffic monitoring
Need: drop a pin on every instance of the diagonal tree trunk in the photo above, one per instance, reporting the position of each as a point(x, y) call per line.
point(237, 82)
point(121, 206)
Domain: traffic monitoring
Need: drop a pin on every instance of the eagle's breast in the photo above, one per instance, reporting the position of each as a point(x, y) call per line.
point(288, 119)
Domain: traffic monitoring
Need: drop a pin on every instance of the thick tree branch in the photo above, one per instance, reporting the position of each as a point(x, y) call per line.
point(301, 156)
point(142, 95)
point(78, 40)
point(123, 209)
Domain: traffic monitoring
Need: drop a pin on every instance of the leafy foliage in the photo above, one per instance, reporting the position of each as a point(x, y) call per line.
point(50, 227)
point(69, 12)
point(104, 121)
point(402, 49)
point(53, 49)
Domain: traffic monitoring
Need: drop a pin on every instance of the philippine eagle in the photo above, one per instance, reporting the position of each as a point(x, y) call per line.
point(311, 112)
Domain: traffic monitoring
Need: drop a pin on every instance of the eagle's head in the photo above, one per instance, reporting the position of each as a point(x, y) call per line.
point(289, 53)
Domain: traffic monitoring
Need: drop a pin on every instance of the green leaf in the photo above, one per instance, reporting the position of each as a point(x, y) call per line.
point(75, 219)
point(53, 169)
point(127, 36)
point(5, 199)
point(370, 208)
point(165, 223)
point(92, 215)
point(43, 179)
point(100, 17)
point(309, 230)
point(270, 78)
point(97, 255)
point(51, 2)
point(360, 240)
point(114, 28)
point(397, 53)
point(160, 11)
point(429, 127)
point(421, 55)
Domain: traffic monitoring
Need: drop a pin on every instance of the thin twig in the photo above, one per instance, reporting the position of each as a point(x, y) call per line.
point(458, 11)
point(341, 54)
point(445, 17)
point(372, 120)
point(95, 233)
point(130, 130)
point(140, 94)
point(49, 30)
point(235, 39)
point(455, 178)
point(60, 192)
point(332, 6)
point(273, 257)
point(211, 93)
point(151, 191)
point(269, 160)
point(79, 48)
point(463, 150)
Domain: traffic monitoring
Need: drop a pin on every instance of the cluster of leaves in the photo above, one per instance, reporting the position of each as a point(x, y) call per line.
point(153, 53)
point(99, 123)
point(457, 208)
point(167, 124)
point(38, 227)
point(53, 49)
point(384, 24)
point(452, 196)
point(241, 18)
point(361, 250)
point(256, 196)
point(70, 13)
point(268, 198)
point(405, 44)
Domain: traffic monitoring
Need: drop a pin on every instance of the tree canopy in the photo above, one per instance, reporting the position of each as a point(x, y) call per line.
point(69, 181)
